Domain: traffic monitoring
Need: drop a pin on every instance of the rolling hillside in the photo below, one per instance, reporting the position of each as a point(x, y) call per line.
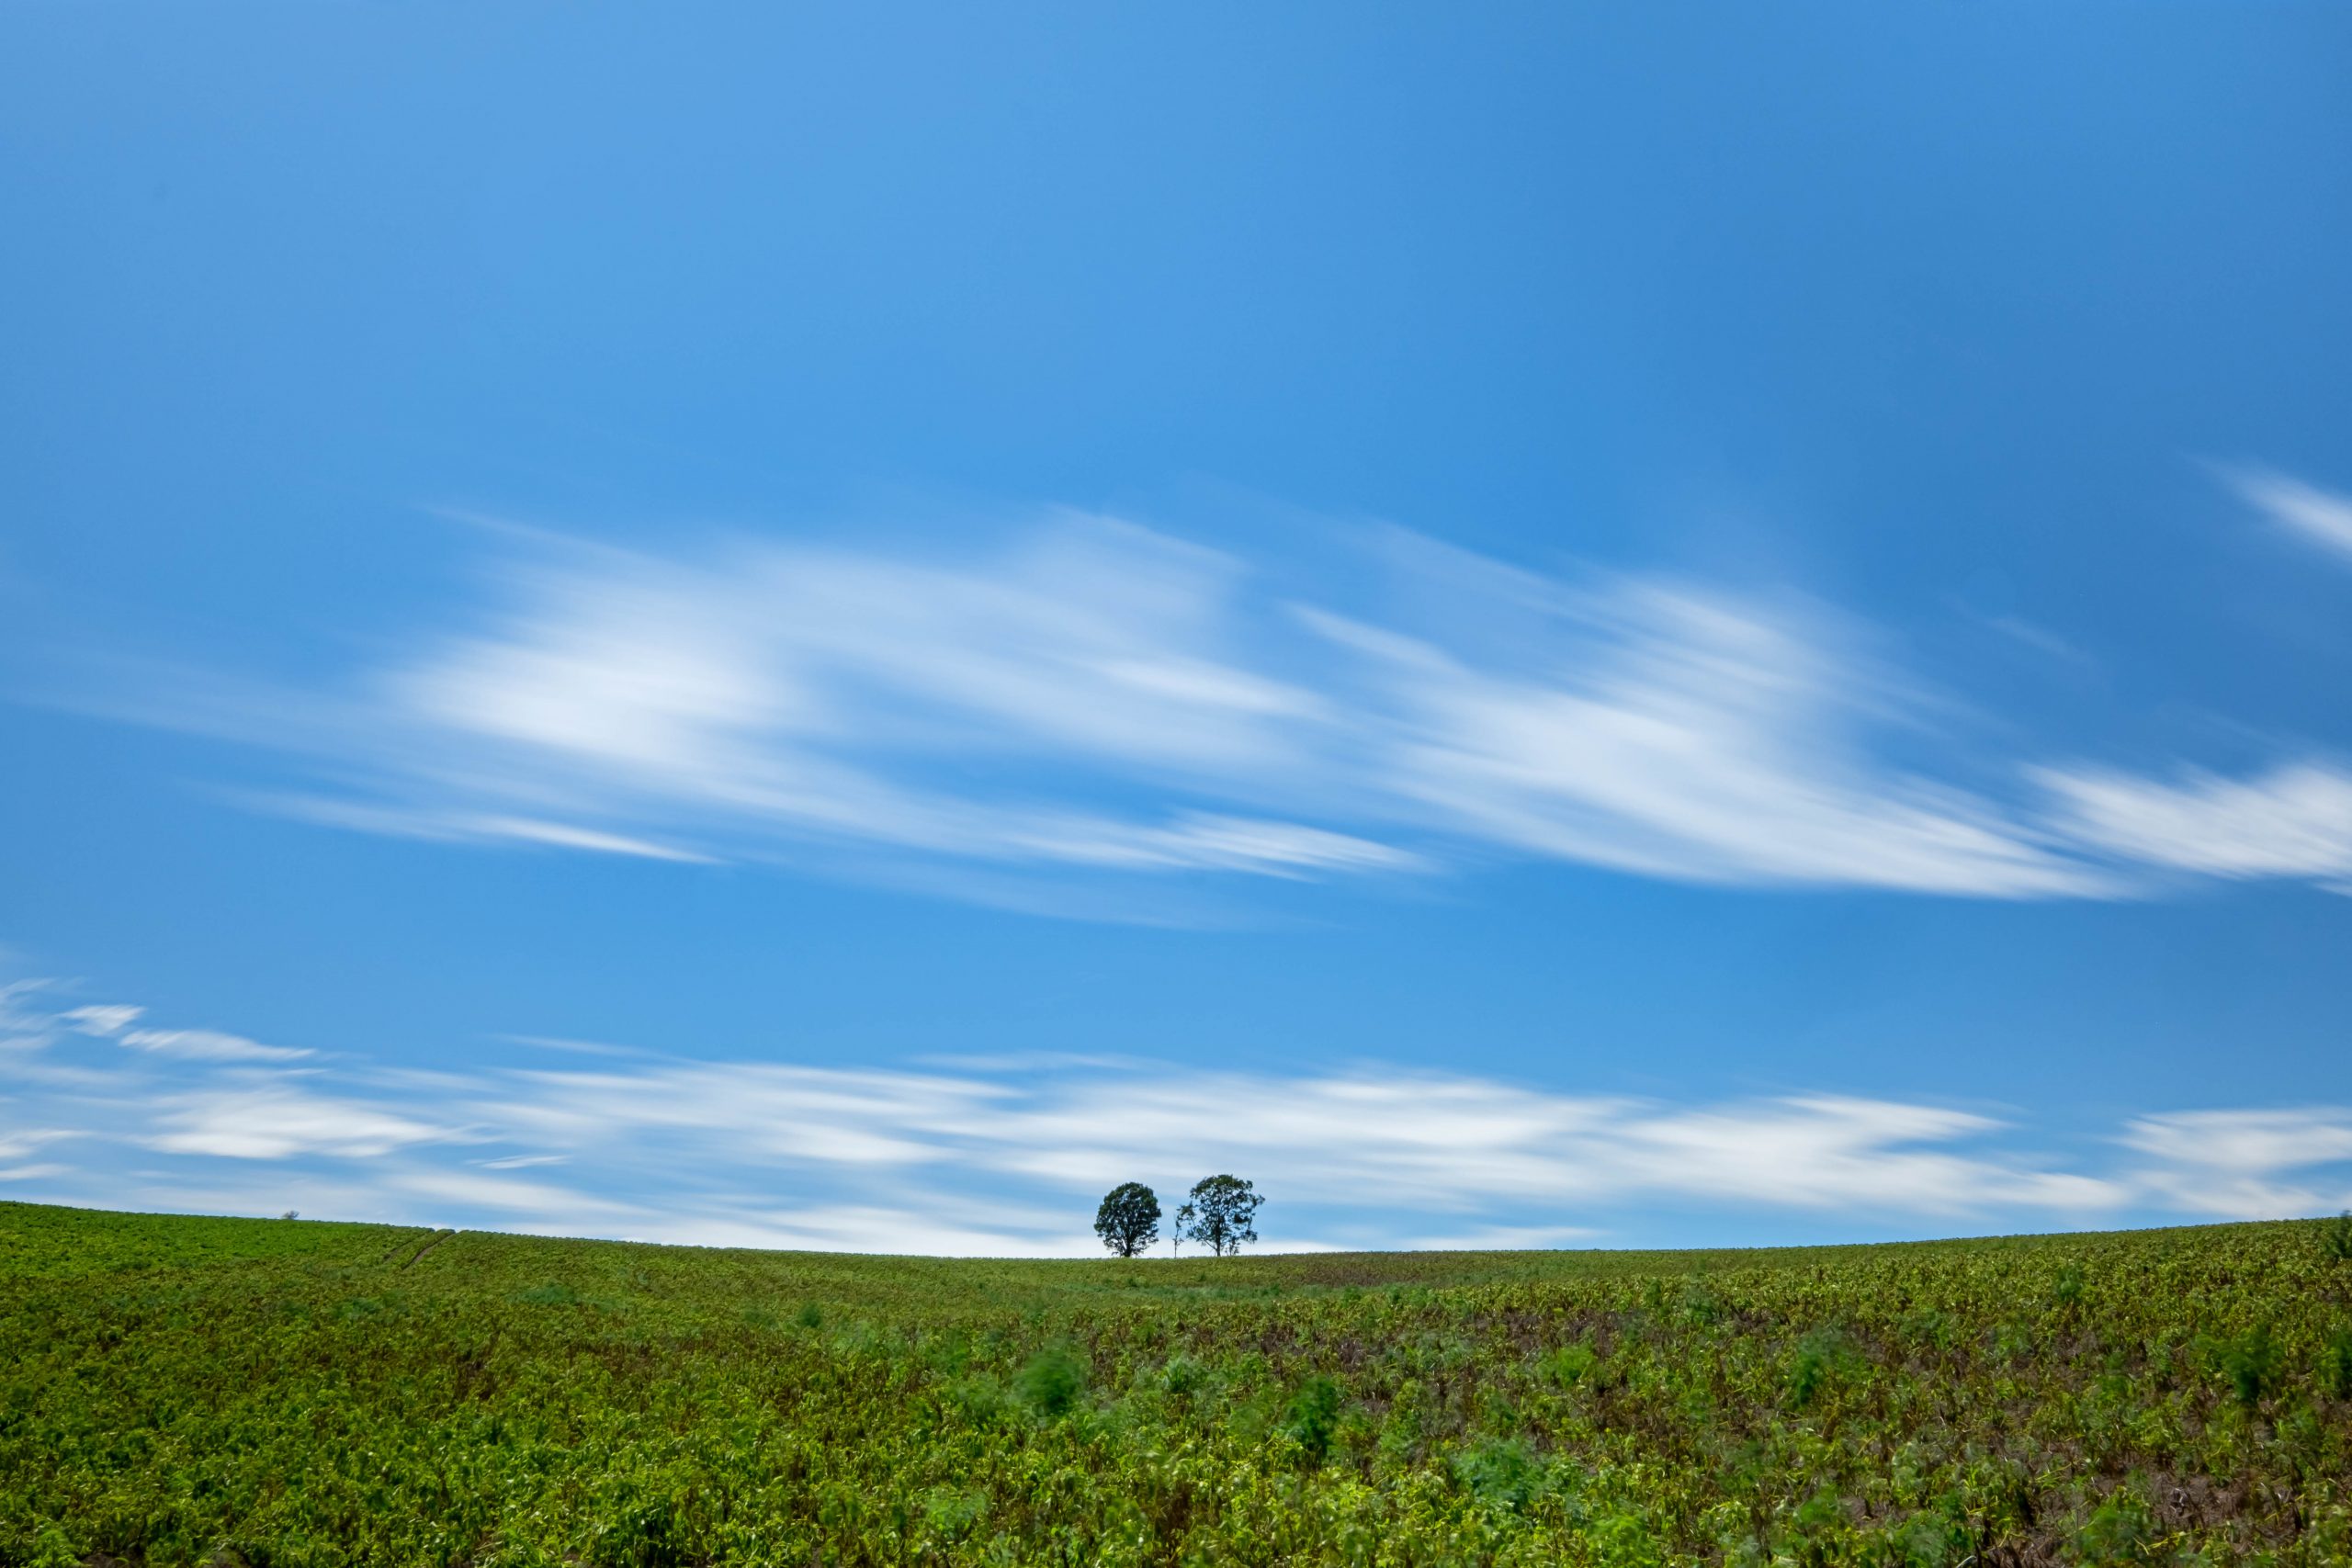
point(222, 1391)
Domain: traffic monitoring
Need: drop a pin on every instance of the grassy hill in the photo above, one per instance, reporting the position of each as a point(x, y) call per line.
point(216, 1391)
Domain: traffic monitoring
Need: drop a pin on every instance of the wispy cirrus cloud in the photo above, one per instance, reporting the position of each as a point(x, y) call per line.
point(2241, 1164)
point(208, 1045)
point(1682, 733)
point(2295, 821)
point(1007, 1159)
point(115, 1023)
point(2321, 516)
point(267, 1119)
point(1083, 701)
point(1089, 697)
point(2289, 820)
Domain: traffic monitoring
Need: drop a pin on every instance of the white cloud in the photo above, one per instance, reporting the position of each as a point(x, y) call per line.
point(754, 1112)
point(25, 1026)
point(990, 1231)
point(2322, 516)
point(102, 1021)
point(1685, 734)
point(207, 1045)
point(15, 1142)
point(1503, 1238)
point(1447, 1141)
point(457, 826)
point(1082, 700)
point(2231, 1163)
point(2295, 821)
point(1089, 698)
point(1004, 1157)
point(784, 691)
point(471, 1192)
point(280, 1122)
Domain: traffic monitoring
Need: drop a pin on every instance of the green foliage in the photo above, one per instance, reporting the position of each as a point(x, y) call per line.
point(1938, 1538)
point(553, 1293)
point(1819, 1356)
point(2335, 1241)
point(2335, 1362)
point(1181, 1375)
point(951, 1513)
point(1313, 1415)
point(2249, 1363)
point(187, 1393)
point(1501, 1474)
point(2120, 1533)
point(1128, 1220)
point(1566, 1366)
point(1051, 1381)
point(2067, 1289)
point(1221, 1213)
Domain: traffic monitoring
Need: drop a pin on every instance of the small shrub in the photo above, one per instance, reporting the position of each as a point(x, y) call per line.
point(1501, 1474)
point(1051, 1382)
point(2249, 1364)
point(1181, 1375)
point(1622, 1540)
point(950, 1512)
point(980, 1400)
point(2335, 1362)
point(1930, 1326)
point(809, 1315)
point(2335, 1241)
point(1312, 1415)
point(640, 1533)
point(1937, 1539)
point(1568, 1365)
point(2067, 1289)
point(1399, 1443)
point(1819, 1356)
point(2120, 1533)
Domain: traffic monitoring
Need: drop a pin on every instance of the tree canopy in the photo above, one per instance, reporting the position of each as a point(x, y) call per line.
point(1223, 1210)
point(1129, 1220)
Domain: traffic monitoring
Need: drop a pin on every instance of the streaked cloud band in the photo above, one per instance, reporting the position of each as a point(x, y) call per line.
point(1006, 1157)
point(1083, 699)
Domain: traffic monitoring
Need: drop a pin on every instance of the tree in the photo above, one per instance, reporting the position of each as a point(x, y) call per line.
point(1222, 1212)
point(1183, 1228)
point(1129, 1220)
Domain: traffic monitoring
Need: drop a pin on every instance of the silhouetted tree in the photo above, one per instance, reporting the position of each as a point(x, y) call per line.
point(1129, 1220)
point(1222, 1213)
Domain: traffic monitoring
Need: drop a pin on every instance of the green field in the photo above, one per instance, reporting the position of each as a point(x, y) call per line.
point(256, 1391)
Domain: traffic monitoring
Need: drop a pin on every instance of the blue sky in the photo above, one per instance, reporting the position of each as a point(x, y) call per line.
point(1545, 626)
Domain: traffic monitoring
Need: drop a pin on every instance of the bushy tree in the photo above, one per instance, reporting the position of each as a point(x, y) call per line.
point(1223, 1210)
point(1129, 1220)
